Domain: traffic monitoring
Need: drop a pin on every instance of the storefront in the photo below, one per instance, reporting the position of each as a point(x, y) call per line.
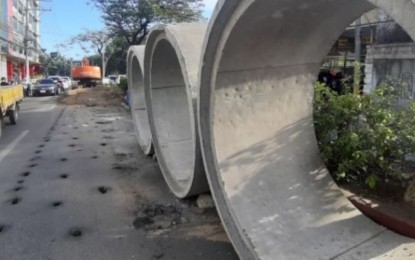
point(16, 70)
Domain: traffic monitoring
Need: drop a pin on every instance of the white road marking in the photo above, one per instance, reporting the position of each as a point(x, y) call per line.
point(12, 145)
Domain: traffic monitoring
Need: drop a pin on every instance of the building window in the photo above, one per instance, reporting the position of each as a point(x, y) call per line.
point(20, 7)
point(15, 24)
point(21, 27)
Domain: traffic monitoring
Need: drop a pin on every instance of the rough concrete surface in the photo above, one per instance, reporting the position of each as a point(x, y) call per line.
point(138, 105)
point(76, 186)
point(172, 59)
point(273, 192)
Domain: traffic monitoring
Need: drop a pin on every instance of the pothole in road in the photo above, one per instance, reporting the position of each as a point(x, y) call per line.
point(3, 228)
point(18, 188)
point(104, 122)
point(46, 140)
point(64, 176)
point(154, 217)
point(158, 255)
point(35, 158)
point(38, 152)
point(75, 138)
point(94, 157)
point(63, 159)
point(75, 232)
point(25, 174)
point(56, 204)
point(103, 144)
point(124, 167)
point(142, 222)
point(72, 145)
point(15, 201)
point(104, 189)
point(121, 156)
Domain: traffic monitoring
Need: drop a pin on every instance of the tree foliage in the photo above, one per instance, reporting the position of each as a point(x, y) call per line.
point(365, 138)
point(96, 40)
point(58, 65)
point(130, 19)
point(102, 44)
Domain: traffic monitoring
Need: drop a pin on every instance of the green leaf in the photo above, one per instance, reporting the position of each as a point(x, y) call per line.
point(372, 181)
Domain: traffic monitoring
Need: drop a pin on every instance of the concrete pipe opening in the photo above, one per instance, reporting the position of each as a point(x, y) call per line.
point(273, 192)
point(171, 64)
point(137, 98)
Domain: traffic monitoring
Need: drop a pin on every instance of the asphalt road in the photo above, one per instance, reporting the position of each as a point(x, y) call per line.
point(74, 185)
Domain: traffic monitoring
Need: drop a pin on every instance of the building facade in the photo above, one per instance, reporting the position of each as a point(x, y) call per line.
point(19, 31)
point(394, 61)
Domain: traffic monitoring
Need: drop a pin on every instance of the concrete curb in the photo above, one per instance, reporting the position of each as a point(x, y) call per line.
point(390, 218)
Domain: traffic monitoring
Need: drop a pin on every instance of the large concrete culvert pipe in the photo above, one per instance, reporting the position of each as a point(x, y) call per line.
point(172, 61)
point(135, 73)
point(273, 192)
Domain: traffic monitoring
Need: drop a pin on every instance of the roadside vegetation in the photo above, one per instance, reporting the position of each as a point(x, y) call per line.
point(128, 23)
point(367, 139)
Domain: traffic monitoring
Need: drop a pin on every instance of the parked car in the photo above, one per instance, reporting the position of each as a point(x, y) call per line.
point(112, 79)
point(115, 79)
point(58, 81)
point(55, 78)
point(67, 82)
point(106, 81)
point(45, 87)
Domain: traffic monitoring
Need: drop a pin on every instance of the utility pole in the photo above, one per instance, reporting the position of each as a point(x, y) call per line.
point(26, 42)
point(27, 39)
point(357, 57)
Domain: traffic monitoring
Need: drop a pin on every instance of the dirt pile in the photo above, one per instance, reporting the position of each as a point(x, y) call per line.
point(91, 97)
point(155, 216)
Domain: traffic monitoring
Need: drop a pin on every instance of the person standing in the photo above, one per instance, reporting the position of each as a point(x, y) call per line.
point(4, 82)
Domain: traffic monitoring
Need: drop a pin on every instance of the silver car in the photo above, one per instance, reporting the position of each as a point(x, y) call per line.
point(45, 87)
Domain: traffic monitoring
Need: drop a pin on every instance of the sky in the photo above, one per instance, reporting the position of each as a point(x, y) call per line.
point(69, 18)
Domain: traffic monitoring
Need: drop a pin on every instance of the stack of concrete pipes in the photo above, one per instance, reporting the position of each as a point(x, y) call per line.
point(227, 108)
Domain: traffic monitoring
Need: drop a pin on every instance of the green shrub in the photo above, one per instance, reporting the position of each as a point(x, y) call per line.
point(123, 84)
point(365, 137)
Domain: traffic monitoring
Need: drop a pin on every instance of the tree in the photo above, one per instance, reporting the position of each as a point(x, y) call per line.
point(96, 40)
point(58, 65)
point(130, 19)
point(100, 41)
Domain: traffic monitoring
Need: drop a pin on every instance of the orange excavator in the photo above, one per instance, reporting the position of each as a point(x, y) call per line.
point(86, 74)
